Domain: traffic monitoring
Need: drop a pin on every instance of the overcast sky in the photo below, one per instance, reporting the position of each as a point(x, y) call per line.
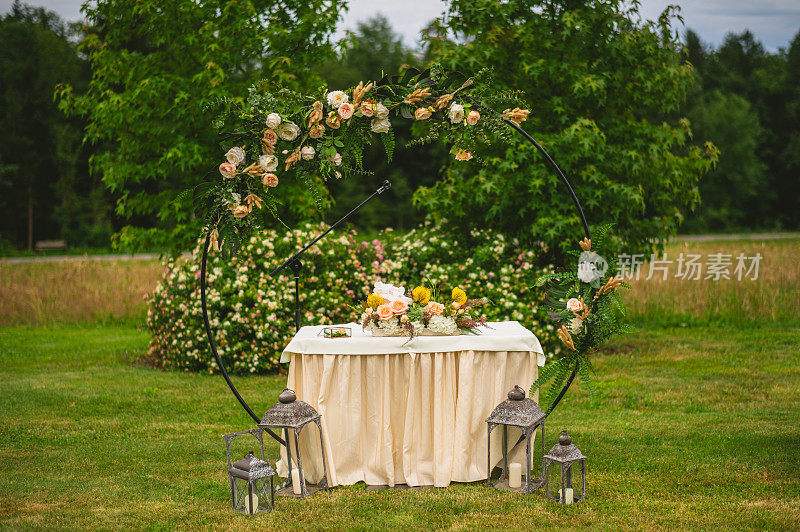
point(774, 22)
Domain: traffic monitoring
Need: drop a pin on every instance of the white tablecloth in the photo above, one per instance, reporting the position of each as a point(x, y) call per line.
point(412, 413)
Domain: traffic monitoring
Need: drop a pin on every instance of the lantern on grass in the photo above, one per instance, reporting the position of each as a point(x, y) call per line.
point(289, 413)
point(568, 457)
point(523, 413)
point(252, 478)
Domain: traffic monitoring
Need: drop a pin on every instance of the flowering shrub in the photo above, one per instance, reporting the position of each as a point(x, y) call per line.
point(252, 314)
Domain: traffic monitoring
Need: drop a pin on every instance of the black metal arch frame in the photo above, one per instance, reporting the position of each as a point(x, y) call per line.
point(207, 324)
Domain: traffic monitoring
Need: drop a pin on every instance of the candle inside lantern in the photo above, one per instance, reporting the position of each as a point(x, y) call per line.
point(296, 482)
point(569, 496)
point(251, 503)
point(515, 475)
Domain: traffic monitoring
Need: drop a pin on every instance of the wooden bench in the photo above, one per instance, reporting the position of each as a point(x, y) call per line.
point(51, 245)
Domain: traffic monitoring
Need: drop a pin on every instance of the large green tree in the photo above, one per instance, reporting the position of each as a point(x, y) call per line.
point(604, 89)
point(40, 153)
point(156, 68)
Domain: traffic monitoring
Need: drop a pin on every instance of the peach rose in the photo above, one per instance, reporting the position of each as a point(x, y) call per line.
point(366, 109)
point(228, 170)
point(422, 113)
point(346, 110)
point(463, 155)
point(270, 137)
point(399, 307)
point(270, 180)
point(473, 117)
point(240, 211)
point(434, 309)
point(333, 121)
point(385, 311)
point(316, 131)
point(575, 305)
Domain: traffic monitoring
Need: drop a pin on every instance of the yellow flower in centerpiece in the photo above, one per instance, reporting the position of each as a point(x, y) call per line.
point(459, 296)
point(375, 301)
point(421, 295)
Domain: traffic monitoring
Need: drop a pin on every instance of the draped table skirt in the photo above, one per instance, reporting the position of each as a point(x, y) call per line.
point(416, 418)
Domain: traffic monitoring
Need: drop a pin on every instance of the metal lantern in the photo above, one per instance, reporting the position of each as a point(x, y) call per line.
point(289, 413)
point(252, 484)
point(525, 414)
point(566, 455)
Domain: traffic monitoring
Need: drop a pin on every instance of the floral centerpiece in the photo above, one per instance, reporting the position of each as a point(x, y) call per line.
point(389, 311)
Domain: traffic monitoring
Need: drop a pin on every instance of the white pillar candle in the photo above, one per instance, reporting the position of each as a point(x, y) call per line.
point(569, 496)
point(251, 506)
point(296, 482)
point(514, 475)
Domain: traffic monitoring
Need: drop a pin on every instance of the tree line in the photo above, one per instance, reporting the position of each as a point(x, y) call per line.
point(107, 120)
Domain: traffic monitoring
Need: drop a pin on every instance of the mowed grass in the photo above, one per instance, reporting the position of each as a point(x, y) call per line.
point(691, 428)
point(75, 291)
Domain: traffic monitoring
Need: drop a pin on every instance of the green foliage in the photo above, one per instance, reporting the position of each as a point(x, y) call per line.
point(42, 163)
point(602, 87)
point(252, 313)
point(587, 309)
point(155, 67)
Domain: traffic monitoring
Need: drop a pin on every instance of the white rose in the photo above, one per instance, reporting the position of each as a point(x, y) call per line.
point(380, 125)
point(586, 272)
point(575, 325)
point(307, 153)
point(273, 120)
point(288, 131)
point(268, 162)
point(336, 159)
point(381, 111)
point(336, 98)
point(235, 155)
point(456, 113)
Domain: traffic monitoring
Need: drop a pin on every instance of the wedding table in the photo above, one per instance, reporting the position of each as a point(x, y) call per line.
point(406, 412)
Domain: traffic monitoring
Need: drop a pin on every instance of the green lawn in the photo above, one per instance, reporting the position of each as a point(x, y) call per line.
point(691, 428)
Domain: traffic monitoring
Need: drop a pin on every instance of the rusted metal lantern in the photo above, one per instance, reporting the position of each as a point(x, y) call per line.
point(252, 478)
point(290, 414)
point(566, 455)
point(523, 413)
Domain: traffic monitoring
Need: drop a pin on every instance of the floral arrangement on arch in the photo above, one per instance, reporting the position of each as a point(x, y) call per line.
point(587, 308)
point(283, 138)
point(389, 311)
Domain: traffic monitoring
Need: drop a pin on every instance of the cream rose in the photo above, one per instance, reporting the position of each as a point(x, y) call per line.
point(268, 162)
point(385, 311)
point(456, 113)
point(422, 113)
point(381, 111)
point(235, 155)
point(269, 180)
point(574, 305)
point(399, 306)
point(228, 170)
point(473, 117)
point(307, 153)
point(288, 131)
point(346, 110)
point(575, 325)
point(434, 309)
point(273, 120)
point(336, 159)
point(338, 175)
point(270, 137)
point(380, 125)
point(367, 109)
point(336, 99)
point(316, 131)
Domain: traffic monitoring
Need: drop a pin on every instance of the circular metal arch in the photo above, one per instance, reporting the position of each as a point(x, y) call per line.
point(204, 261)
